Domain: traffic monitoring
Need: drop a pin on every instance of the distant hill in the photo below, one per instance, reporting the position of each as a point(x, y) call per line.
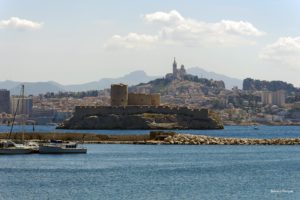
point(8, 84)
point(36, 88)
point(252, 84)
point(31, 88)
point(132, 78)
point(229, 81)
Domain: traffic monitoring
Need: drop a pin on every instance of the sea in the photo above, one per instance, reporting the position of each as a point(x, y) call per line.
point(148, 172)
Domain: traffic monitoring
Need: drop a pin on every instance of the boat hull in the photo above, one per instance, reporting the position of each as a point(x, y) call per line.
point(59, 150)
point(15, 151)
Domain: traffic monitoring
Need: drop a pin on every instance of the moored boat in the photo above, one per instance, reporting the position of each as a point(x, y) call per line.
point(60, 147)
point(9, 147)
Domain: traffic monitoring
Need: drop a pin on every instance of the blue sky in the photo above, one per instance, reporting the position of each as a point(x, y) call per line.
point(80, 41)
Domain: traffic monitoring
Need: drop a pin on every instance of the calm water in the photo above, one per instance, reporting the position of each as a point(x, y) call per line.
point(229, 131)
point(114, 172)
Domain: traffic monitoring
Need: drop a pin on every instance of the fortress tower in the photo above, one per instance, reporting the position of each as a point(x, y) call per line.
point(119, 95)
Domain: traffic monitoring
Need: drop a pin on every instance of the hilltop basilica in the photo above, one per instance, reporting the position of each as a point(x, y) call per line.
point(177, 73)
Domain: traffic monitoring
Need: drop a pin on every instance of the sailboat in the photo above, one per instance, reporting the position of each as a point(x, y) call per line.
point(10, 147)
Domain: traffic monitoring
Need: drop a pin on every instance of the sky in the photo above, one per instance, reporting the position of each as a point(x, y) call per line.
point(76, 41)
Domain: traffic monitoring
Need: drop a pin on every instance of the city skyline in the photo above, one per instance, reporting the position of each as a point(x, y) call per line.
point(73, 42)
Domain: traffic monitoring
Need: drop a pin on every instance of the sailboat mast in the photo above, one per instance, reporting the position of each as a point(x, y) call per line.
point(15, 113)
point(23, 115)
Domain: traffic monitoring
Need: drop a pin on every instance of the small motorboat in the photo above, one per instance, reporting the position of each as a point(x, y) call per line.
point(60, 147)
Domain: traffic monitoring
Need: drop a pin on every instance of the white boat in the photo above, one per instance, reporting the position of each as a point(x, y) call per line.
point(255, 127)
point(33, 145)
point(60, 147)
point(9, 147)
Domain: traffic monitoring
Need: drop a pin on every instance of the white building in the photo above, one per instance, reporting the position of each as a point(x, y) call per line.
point(24, 105)
point(273, 98)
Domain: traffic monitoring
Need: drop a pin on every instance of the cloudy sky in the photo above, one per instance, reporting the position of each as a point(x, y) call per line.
point(71, 41)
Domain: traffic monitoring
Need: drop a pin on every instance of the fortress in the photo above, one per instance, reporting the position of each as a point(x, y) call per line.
point(140, 111)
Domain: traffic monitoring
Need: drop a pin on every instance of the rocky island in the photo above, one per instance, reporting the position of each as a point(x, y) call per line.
point(140, 117)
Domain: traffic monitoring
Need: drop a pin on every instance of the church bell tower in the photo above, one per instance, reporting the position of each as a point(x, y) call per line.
point(175, 68)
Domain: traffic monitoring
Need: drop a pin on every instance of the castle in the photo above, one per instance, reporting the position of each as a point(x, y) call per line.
point(140, 111)
point(120, 97)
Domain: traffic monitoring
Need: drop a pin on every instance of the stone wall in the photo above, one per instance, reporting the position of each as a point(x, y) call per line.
point(144, 99)
point(155, 99)
point(139, 99)
point(81, 111)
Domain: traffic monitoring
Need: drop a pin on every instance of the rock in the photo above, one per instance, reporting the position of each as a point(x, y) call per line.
point(140, 117)
point(201, 139)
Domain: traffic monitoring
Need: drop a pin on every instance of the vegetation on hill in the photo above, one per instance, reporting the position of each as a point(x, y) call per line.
point(91, 93)
point(252, 84)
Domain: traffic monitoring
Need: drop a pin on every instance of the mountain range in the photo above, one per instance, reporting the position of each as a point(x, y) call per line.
point(133, 78)
point(229, 81)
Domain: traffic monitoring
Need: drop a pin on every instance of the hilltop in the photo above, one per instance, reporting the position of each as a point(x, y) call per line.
point(189, 84)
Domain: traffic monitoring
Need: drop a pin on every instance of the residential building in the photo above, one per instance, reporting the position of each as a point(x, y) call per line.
point(4, 101)
point(21, 105)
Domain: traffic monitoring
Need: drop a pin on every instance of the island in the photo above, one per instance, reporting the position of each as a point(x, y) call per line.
point(139, 111)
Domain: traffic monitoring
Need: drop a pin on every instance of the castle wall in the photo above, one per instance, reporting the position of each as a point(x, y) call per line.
point(119, 95)
point(139, 99)
point(81, 111)
point(155, 99)
point(144, 99)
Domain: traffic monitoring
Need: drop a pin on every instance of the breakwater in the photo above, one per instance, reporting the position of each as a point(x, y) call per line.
point(154, 138)
point(188, 139)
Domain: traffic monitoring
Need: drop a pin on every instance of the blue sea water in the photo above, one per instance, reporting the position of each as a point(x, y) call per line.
point(228, 131)
point(148, 172)
point(160, 171)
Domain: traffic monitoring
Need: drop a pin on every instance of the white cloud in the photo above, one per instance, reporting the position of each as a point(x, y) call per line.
point(20, 24)
point(239, 28)
point(175, 29)
point(286, 50)
point(131, 41)
point(171, 17)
